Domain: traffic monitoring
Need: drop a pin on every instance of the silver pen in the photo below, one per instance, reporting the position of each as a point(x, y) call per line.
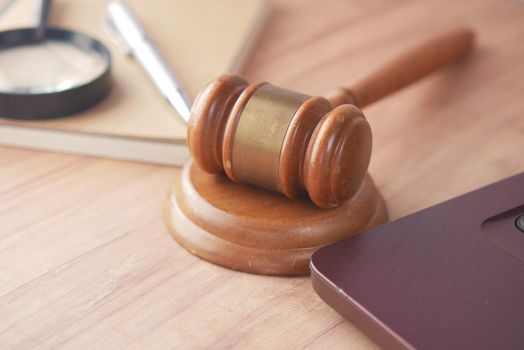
point(132, 39)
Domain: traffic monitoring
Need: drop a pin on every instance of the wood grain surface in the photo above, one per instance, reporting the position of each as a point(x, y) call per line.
point(88, 263)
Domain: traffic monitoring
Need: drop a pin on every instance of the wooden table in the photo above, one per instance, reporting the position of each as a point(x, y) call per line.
point(87, 262)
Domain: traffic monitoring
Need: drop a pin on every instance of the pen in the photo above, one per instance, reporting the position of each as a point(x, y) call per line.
point(131, 38)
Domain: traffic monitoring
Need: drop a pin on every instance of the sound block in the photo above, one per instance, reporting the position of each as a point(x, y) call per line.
point(254, 230)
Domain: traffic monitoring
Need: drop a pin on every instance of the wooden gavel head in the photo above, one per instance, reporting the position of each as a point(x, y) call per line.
point(288, 142)
point(280, 140)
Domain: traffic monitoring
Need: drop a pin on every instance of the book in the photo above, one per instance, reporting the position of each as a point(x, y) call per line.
point(199, 39)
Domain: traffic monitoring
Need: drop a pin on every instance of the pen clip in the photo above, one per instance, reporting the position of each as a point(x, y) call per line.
point(113, 32)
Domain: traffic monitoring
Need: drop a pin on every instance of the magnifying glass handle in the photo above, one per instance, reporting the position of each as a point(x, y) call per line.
point(43, 15)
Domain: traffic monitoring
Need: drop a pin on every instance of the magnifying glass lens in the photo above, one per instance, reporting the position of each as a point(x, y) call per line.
point(48, 66)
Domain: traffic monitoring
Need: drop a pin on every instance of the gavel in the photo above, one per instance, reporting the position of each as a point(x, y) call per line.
point(292, 143)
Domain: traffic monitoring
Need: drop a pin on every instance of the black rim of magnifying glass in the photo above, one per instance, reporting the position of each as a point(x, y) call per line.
point(59, 103)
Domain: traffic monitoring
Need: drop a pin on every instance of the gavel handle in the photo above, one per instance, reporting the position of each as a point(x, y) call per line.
point(407, 68)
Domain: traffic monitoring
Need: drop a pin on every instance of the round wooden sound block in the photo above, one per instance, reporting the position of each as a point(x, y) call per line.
point(254, 230)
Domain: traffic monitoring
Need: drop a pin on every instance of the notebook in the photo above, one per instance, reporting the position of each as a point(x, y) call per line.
point(199, 39)
point(447, 277)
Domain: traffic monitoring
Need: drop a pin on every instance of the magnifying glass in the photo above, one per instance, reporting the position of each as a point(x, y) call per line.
point(50, 72)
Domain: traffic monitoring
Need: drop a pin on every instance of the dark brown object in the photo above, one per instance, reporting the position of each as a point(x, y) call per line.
point(447, 277)
point(288, 142)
